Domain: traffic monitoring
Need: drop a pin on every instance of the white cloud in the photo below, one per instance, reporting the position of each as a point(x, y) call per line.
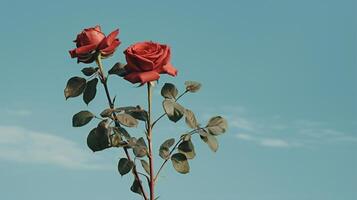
point(273, 142)
point(242, 124)
point(23, 145)
point(245, 136)
point(262, 141)
point(20, 112)
point(276, 131)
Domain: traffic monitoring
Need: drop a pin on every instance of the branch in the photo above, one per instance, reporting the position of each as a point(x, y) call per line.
point(161, 116)
point(172, 150)
point(111, 104)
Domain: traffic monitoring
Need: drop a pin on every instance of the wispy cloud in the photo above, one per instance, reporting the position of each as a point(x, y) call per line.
point(268, 142)
point(22, 145)
point(274, 142)
point(276, 132)
point(19, 112)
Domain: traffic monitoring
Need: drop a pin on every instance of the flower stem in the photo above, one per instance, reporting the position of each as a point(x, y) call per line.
point(111, 104)
point(149, 138)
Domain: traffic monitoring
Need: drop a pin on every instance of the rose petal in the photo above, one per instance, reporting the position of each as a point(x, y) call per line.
point(168, 69)
point(136, 62)
point(165, 55)
point(110, 49)
point(85, 49)
point(73, 53)
point(142, 77)
point(97, 28)
point(106, 42)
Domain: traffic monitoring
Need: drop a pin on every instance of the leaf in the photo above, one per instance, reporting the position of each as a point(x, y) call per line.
point(89, 71)
point(190, 119)
point(75, 87)
point(173, 110)
point(140, 149)
point(117, 140)
point(118, 69)
point(127, 120)
point(145, 166)
point(186, 137)
point(90, 91)
point(187, 148)
point(180, 163)
point(103, 128)
point(217, 125)
point(107, 112)
point(135, 187)
point(125, 109)
point(211, 141)
point(82, 118)
point(192, 86)
point(122, 132)
point(168, 143)
point(132, 142)
point(124, 166)
point(139, 114)
point(169, 91)
point(97, 141)
point(164, 151)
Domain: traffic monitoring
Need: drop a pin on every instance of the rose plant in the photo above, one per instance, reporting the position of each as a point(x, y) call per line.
point(145, 61)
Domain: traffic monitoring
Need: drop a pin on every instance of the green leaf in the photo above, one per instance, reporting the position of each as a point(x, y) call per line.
point(82, 118)
point(211, 141)
point(187, 148)
point(139, 114)
point(103, 127)
point(169, 91)
point(127, 120)
point(126, 109)
point(124, 166)
point(97, 140)
point(192, 86)
point(118, 69)
point(145, 166)
point(107, 112)
point(132, 142)
point(117, 140)
point(135, 187)
point(186, 137)
point(90, 91)
point(168, 143)
point(140, 149)
point(191, 119)
point(89, 71)
point(173, 110)
point(180, 163)
point(164, 151)
point(217, 125)
point(122, 132)
point(75, 87)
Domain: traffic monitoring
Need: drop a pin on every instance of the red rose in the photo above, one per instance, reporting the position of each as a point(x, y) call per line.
point(91, 41)
point(146, 61)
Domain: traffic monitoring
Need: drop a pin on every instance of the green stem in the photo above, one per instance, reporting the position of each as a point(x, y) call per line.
point(111, 104)
point(149, 138)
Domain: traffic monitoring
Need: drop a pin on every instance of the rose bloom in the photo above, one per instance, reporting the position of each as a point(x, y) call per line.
point(146, 61)
point(91, 41)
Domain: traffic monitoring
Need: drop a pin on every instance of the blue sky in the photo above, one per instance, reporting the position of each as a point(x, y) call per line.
point(282, 72)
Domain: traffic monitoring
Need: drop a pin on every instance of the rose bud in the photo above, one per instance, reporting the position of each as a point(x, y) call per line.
point(92, 41)
point(146, 61)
